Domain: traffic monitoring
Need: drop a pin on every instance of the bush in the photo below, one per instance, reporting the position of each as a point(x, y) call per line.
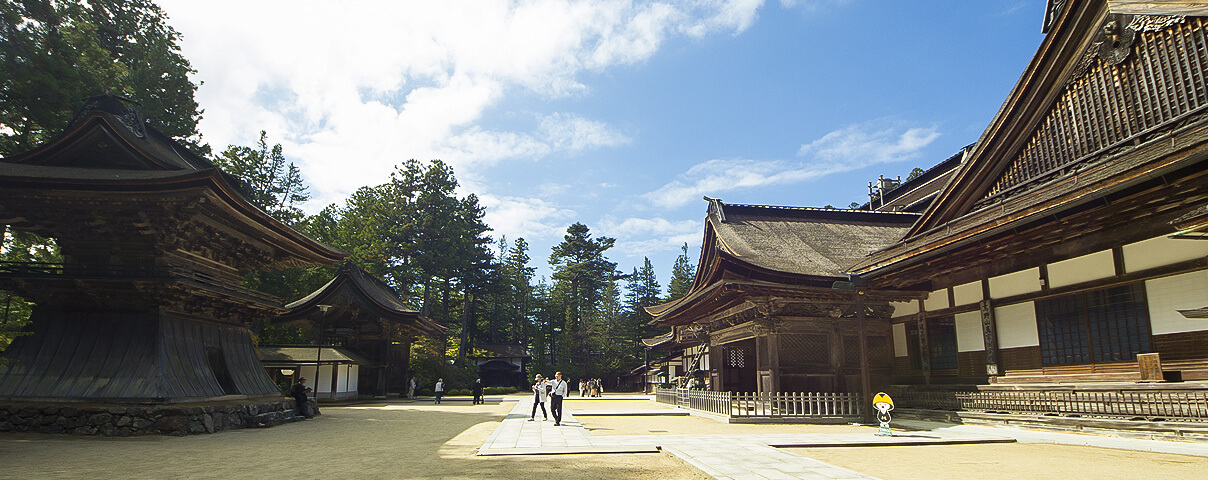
point(499, 390)
point(426, 392)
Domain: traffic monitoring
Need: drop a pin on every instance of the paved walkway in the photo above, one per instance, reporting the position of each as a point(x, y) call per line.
point(720, 456)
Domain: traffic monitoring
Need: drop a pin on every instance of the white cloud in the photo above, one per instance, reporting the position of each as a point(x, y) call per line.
point(846, 149)
point(352, 89)
point(531, 218)
point(638, 237)
point(573, 133)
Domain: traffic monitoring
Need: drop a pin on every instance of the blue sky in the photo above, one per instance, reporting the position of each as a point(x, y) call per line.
point(618, 114)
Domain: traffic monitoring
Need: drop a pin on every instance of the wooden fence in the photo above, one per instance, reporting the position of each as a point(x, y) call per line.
point(765, 405)
point(1128, 405)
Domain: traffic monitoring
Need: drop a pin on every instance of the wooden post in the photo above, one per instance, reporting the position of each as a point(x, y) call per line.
point(865, 375)
point(989, 336)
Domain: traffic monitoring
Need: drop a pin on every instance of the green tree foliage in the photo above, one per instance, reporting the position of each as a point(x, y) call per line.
point(581, 272)
point(683, 274)
point(269, 180)
point(915, 173)
point(643, 291)
point(21, 246)
point(55, 54)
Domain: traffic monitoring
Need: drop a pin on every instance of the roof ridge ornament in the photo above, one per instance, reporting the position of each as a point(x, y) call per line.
point(120, 107)
point(716, 208)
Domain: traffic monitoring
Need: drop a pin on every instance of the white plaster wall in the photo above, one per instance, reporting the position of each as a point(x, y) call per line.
point(969, 336)
point(1160, 251)
point(899, 340)
point(901, 309)
point(1024, 281)
point(309, 374)
point(1167, 295)
point(354, 377)
point(1017, 325)
point(936, 300)
point(1082, 269)
point(967, 293)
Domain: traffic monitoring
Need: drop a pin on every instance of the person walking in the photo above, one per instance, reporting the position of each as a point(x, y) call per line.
point(478, 391)
point(411, 388)
point(582, 387)
point(301, 402)
point(555, 398)
point(440, 388)
point(539, 391)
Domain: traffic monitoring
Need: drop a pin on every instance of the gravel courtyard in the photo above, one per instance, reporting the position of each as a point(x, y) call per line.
point(401, 439)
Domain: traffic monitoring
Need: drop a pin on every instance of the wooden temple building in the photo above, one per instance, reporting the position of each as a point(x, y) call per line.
point(366, 331)
point(147, 306)
point(1062, 251)
point(502, 365)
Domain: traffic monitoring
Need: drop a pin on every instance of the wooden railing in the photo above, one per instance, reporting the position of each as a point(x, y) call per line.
point(764, 405)
point(786, 404)
point(1127, 405)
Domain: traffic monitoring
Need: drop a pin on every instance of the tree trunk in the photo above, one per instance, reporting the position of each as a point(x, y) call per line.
point(465, 327)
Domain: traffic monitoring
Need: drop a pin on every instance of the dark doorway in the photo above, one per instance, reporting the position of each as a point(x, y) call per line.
point(219, 367)
point(738, 366)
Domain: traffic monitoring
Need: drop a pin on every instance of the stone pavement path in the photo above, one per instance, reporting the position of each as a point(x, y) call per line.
point(720, 456)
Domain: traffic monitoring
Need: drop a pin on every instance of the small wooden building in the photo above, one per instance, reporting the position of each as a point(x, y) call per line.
point(502, 365)
point(362, 315)
point(333, 372)
point(147, 306)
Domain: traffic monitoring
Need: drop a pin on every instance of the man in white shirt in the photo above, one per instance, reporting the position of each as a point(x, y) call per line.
point(440, 388)
point(555, 398)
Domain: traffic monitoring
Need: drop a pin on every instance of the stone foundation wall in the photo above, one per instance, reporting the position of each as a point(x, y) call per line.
point(129, 420)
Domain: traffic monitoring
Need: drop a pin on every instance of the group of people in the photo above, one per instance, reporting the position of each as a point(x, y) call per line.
point(555, 391)
point(593, 387)
point(440, 390)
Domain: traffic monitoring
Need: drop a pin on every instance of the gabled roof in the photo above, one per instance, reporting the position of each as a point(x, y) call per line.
point(303, 354)
point(1077, 98)
point(502, 351)
point(802, 241)
point(354, 288)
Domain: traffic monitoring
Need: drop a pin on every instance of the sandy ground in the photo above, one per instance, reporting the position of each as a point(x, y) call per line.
point(422, 440)
point(378, 440)
point(1012, 461)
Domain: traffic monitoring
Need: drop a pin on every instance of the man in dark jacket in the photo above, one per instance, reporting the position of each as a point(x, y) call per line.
point(301, 402)
point(478, 392)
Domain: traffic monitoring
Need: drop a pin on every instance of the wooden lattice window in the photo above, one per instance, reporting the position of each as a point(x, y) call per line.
point(737, 357)
point(1105, 325)
point(941, 341)
point(804, 349)
point(1162, 79)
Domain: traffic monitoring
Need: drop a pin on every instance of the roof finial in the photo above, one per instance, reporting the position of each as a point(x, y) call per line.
point(715, 208)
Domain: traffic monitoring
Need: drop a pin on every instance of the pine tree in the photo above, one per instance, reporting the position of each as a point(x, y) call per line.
point(682, 276)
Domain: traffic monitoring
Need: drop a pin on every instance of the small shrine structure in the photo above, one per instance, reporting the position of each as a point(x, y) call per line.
point(361, 314)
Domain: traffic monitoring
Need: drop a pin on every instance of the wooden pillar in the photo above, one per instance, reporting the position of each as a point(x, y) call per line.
point(774, 361)
point(989, 336)
point(335, 374)
point(865, 374)
point(924, 345)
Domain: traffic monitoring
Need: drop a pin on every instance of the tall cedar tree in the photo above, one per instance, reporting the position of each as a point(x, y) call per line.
point(643, 291)
point(581, 272)
point(683, 274)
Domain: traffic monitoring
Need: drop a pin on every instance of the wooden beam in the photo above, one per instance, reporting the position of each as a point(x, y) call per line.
point(1159, 7)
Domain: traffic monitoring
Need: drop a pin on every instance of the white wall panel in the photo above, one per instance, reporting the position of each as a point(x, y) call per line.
point(899, 340)
point(1082, 269)
point(937, 300)
point(1168, 295)
point(967, 293)
point(969, 336)
point(1160, 251)
point(1017, 325)
point(901, 309)
point(1025, 281)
